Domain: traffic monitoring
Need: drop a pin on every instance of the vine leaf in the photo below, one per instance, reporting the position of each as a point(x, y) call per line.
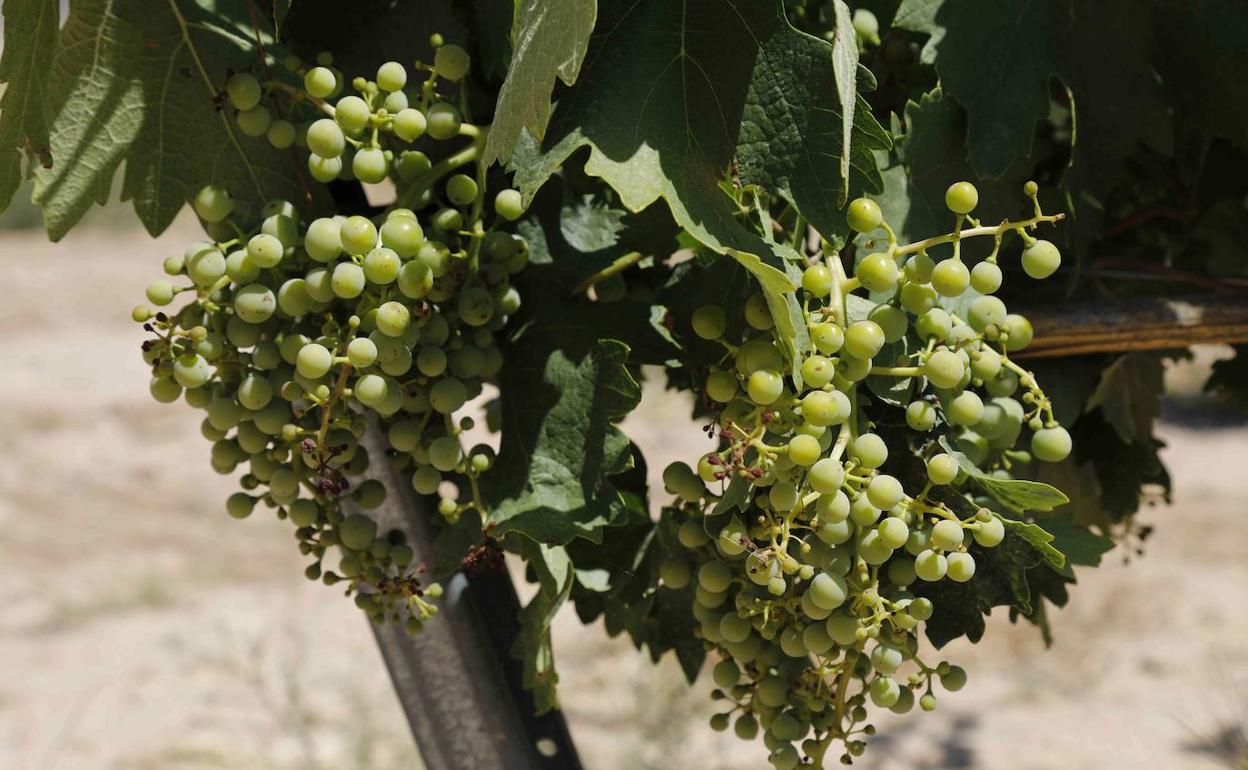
point(666, 116)
point(533, 645)
point(30, 28)
point(549, 40)
point(1128, 395)
point(136, 80)
point(1018, 495)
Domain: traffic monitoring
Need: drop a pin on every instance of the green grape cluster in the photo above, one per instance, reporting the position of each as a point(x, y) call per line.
point(809, 566)
point(298, 334)
point(368, 135)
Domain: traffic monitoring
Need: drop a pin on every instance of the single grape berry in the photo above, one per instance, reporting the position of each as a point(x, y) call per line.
point(320, 82)
point(1041, 259)
point(950, 277)
point(509, 204)
point(442, 121)
point(391, 76)
point(877, 272)
point(243, 91)
point(451, 62)
point(986, 277)
point(1051, 444)
point(961, 197)
point(709, 322)
point(213, 204)
point(864, 215)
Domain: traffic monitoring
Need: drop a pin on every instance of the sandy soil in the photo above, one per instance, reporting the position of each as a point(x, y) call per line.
point(142, 629)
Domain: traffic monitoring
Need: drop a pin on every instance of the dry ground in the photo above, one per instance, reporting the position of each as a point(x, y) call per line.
point(141, 629)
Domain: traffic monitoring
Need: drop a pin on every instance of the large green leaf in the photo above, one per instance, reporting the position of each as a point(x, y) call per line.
point(1018, 495)
point(549, 40)
point(137, 81)
point(667, 116)
point(30, 28)
point(1129, 395)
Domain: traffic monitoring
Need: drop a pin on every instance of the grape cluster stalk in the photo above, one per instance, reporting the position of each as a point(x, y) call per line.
point(297, 335)
point(810, 558)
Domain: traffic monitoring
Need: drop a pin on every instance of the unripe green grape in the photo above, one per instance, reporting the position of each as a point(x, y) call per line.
point(255, 392)
point(303, 513)
point(415, 279)
point(757, 314)
point(191, 371)
point(870, 450)
point(509, 204)
point(985, 363)
point(920, 416)
point(721, 386)
point(919, 268)
point(746, 727)
point(863, 339)
point(240, 267)
point(357, 531)
point(817, 371)
point(965, 409)
point(362, 352)
point(255, 121)
point(877, 272)
point(320, 82)
point(989, 533)
point(409, 124)
point(240, 505)
point(475, 305)
point(442, 121)
point(854, 369)
point(412, 164)
point(886, 658)
point(709, 322)
point(726, 674)
point(1004, 384)
point(864, 215)
point(827, 337)
point(382, 266)
point(985, 312)
point(942, 469)
point(918, 298)
point(714, 576)
point(281, 134)
point(826, 476)
point(351, 112)
point(950, 278)
point(325, 138)
point(348, 280)
point(930, 566)
point(403, 235)
point(1041, 259)
point(953, 679)
point(934, 323)
point(319, 284)
point(944, 369)
point(451, 62)
point(782, 496)
point(213, 204)
point(866, 26)
point(891, 320)
point(823, 409)
point(206, 268)
point(447, 395)
point(461, 189)
point(1019, 330)
point(986, 277)
point(961, 197)
point(159, 293)
point(164, 389)
point(369, 165)
point(1051, 444)
point(884, 492)
point(961, 567)
point(817, 280)
point(947, 535)
point(804, 450)
point(447, 220)
point(393, 318)
point(293, 297)
point(313, 361)
point(863, 513)
point(324, 170)
point(357, 235)
point(391, 76)
point(445, 453)
point(426, 480)
point(243, 91)
point(254, 303)
point(764, 387)
point(691, 535)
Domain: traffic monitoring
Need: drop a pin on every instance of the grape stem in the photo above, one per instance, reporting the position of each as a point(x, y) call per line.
point(445, 166)
point(897, 371)
point(971, 232)
point(615, 268)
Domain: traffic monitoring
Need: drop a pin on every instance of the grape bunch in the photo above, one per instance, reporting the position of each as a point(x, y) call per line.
point(298, 335)
point(834, 508)
point(368, 136)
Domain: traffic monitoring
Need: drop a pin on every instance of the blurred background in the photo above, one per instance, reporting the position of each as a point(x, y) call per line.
point(143, 629)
